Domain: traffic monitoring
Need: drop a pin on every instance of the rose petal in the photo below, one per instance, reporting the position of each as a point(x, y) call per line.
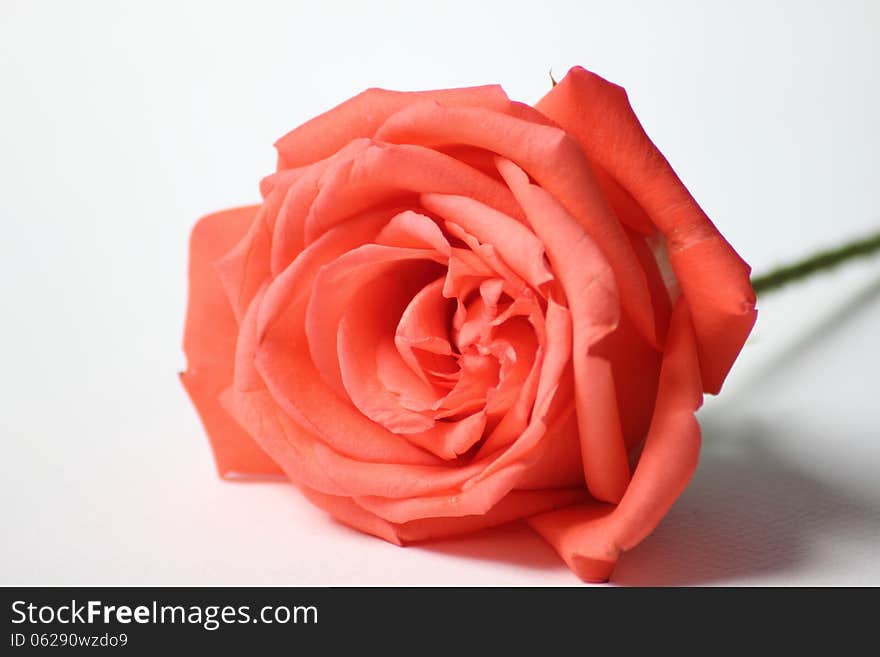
point(591, 537)
point(592, 297)
point(362, 115)
point(288, 234)
point(245, 267)
point(513, 241)
point(413, 230)
point(478, 374)
point(712, 276)
point(385, 173)
point(209, 343)
point(515, 346)
point(478, 498)
point(635, 370)
point(466, 271)
point(661, 299)
point(368, 318)
point(517, 504)
point(539, 388)
point(554, 160)
point(484, 488)
point(338, 283)
point(448, 440)
point(513, 506)
point(412, 391)
point(489, 255)
point(308, 460)
point(627, 210)
point(560, 465)
point(285, 365)
point(423, 325)
point(480, 315)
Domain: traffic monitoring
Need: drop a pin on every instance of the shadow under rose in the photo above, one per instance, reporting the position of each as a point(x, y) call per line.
point(747, 512)
point(514, 543)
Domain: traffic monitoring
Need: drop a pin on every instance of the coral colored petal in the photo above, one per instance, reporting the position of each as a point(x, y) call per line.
point(479, 373)
point(424, 325)
point(394, 373)
point(603, 446)
point(661, 297)
point(290, 446)
point(515, 243)
point(480, 315)
point(465, 272)
point(209, 343)
point(385, 172)
point(723, 305)
point(590, 538)
point(307, 459)
point(558, 343)
point(338, 283)
point(627, 210)
point(711, 274)
point(540, 386)
point(362, 115)
point(479, 493)
point(288, 232)
point(558, 164)
point(516, 505)
point(560, 465)
point(514, 423)
point(413, 230)
point(513, 506)
point(391, 481)
point(592, 297)
point(448, 440)
point(478, 498)
point(367, 319)
point(245, 267)
point(284, 363)
point(635, 367)
point(516, 347)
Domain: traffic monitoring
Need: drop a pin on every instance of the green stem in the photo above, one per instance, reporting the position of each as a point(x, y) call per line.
point(815, 263)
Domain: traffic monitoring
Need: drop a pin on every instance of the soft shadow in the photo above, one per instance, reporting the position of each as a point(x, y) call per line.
point(747, 513)
point(514, 543)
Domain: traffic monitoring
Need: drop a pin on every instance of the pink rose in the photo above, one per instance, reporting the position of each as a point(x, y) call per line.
point(453, 310)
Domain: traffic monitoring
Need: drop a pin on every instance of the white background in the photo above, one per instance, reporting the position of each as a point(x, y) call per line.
point(121, 123)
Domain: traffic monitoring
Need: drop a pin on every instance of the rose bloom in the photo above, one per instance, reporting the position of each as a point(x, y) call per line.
point(453, 310)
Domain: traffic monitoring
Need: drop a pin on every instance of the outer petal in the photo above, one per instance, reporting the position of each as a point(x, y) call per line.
point(245, 267)
point(362, 115)
point(209, 343)
point(591, 537)
point(517, 504)
point(711, 274)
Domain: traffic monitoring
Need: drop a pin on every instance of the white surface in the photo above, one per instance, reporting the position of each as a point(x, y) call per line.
point(120, 124)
